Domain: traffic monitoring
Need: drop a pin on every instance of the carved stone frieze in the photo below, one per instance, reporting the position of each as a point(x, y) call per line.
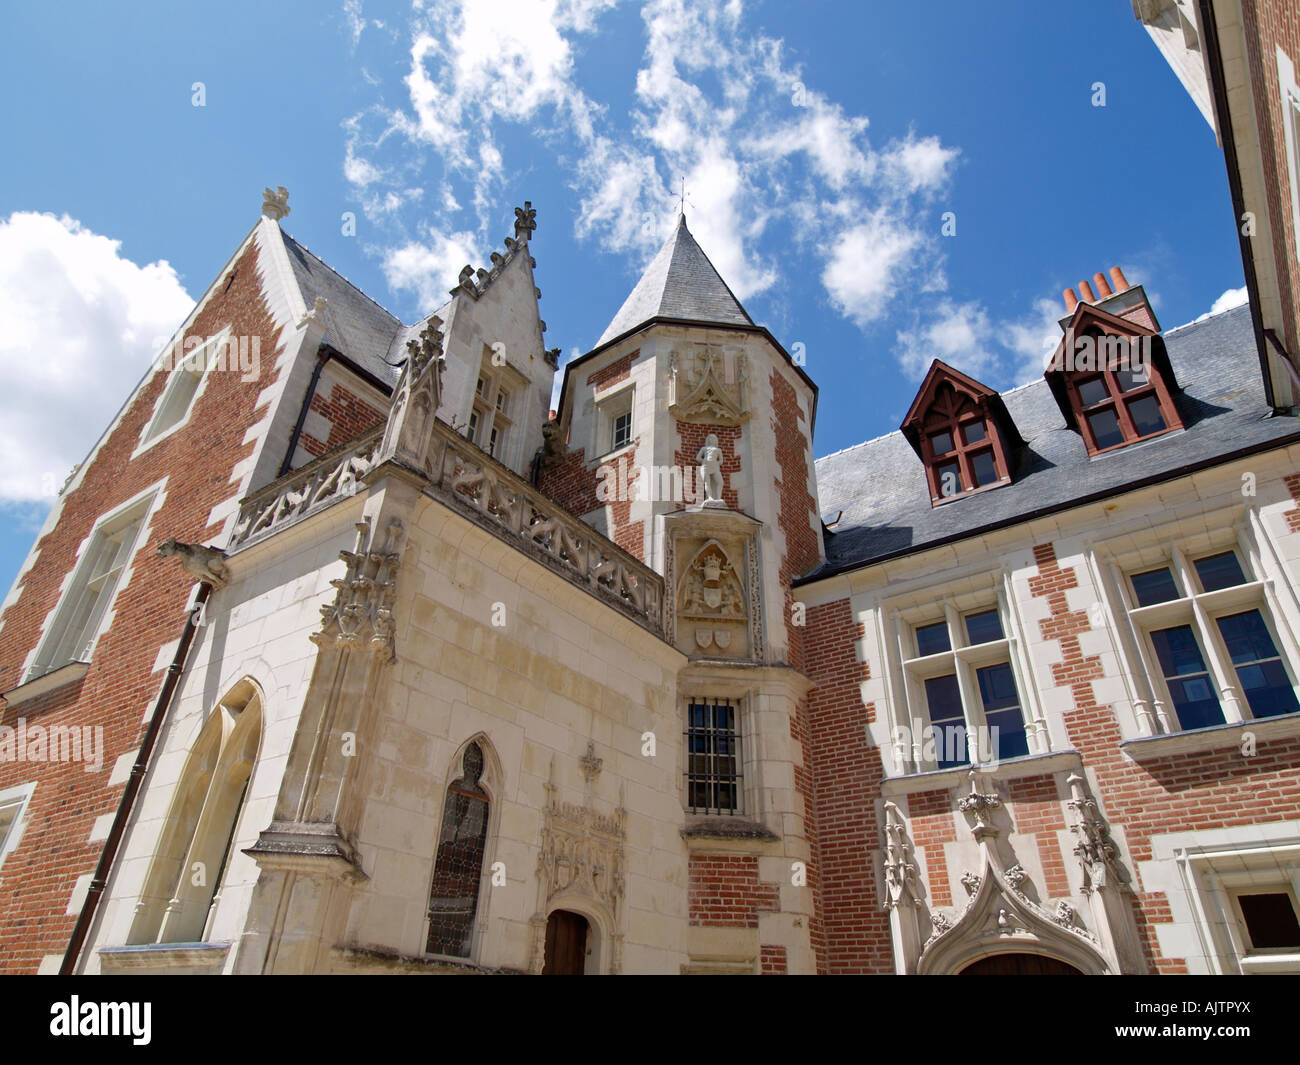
point(1098, 856)
point(900, 870)
point(699, 391)
point(361, 613)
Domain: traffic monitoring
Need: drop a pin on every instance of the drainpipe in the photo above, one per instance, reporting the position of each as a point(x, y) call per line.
point(322, 357)
point(134, 784)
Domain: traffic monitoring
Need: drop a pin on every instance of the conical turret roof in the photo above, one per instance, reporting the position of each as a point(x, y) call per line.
point(680, 282)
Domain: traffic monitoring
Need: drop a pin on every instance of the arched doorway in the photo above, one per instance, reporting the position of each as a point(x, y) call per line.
point(1020, 965)
point(566, 944)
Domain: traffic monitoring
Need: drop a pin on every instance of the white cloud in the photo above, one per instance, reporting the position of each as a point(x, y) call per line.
point(1233, 297)
point(81, 325)
point(430, 269)
point(706, 82)
point(959, 334)
point(1033, 338)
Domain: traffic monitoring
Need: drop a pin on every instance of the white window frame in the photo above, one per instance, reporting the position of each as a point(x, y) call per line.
point(54, 631)
point(609, 408)
point(908, 708)
point(20, 796)
point(1290, 101)
point(1152, 703)
point(1213, 875)
point(499, 382)
point(202, 355)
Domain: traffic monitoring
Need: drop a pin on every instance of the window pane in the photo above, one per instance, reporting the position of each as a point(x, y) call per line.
point(1156, 586)
point(1002, 711)
point(1105, 428)
point(941, 443)
point(947, 723)
point(713, 765)
point(1219, 571)
point(984, 468)
point(948, 476)
point(453, 898)
point(984, 627)
point(622, 429)
point(974, 432)
point(931, 639)
point(1146, 416)
point(1131, 379)
point(1270, 920)
point(1190, 686)
point(1263, 678)
point(1092, 391)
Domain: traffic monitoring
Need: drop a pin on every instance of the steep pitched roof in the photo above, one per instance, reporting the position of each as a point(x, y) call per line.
point(680, 282)
point(880, 485)
point(354, 323)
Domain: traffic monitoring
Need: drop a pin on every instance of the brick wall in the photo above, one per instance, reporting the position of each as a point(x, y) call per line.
point(37, 879)
point(692, 438)
point(725, 891)
point(348, 415)
point(846, 774)
point(1182, 792)
point(797, 506)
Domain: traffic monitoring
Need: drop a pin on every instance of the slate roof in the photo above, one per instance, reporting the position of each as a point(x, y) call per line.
point(680, 282)
point(354, 323)
point(881, 488)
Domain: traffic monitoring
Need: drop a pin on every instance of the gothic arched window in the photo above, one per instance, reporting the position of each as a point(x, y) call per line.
point(458, 866)
point(182, 890)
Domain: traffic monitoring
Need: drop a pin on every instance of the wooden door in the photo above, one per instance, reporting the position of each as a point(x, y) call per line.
point(566, 944)
point(1020, 965)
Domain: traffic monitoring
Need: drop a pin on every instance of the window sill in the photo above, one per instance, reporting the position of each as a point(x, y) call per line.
point(151, 956)
point(722, 833)
point(69, 673)
point(1029, 765)
point(1270, 963)
point(618, 452)
point(1148, 748)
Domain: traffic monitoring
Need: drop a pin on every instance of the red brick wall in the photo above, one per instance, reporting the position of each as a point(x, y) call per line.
point(1182, 792)
point(772, 961)
point(725, 891)
point(571, 484)
point(348, 414)
point(1292, 516)
point(36, 880)
point(846, 772)
point(932, 827)
point(1035, 809)
point(617, 371)
point(797, 506)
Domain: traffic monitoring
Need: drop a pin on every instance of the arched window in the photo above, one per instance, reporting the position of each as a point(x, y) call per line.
point(181, 891)
point(458, 866)
point(961, 432)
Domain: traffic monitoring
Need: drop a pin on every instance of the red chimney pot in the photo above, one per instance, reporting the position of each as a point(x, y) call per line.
point(1085, 292)
point(1071, 300)
point(1103, 289)
point(1117, 279)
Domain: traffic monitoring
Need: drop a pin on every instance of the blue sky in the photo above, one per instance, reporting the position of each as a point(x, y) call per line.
point(822, 144)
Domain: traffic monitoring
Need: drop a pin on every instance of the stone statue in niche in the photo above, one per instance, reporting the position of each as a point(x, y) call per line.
point(710, 459)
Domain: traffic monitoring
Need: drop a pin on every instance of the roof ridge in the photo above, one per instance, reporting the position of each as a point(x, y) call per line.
point(1207, 317)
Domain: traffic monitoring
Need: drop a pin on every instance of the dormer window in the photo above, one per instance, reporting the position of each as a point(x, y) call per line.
point(1112, 380)
point(1121, 406)
point(960, 430)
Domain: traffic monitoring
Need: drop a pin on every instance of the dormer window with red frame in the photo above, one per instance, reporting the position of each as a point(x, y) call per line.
point(1112, 381)
point(960, 430)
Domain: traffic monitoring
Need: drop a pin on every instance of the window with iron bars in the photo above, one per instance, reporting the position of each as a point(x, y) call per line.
point(713, 773)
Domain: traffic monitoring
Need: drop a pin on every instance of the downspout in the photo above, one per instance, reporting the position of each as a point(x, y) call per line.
point(1214, 61)
point(322, 357)
point(134, 783)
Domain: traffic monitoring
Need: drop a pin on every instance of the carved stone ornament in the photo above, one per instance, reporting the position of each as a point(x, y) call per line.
point(699, 392)
point(711, 601)
point(590, 764)
point(1098, 856)
point(553, 449)
point(900, 870)
point(313, 316)
point(971, 882)
point(205, 564)
point(361, 614)
point(525, 221)
point(980, 808)
point(1016, 876)
point(275, 204)
point(582, 855)
point(416, 399)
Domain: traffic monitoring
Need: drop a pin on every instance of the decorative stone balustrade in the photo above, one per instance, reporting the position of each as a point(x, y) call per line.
point(478, 487)
point(306, 490)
